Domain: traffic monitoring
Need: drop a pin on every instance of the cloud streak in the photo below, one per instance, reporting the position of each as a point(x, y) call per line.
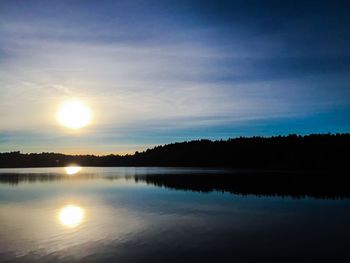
point(151, 72)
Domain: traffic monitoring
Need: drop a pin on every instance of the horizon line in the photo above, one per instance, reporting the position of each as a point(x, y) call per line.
point(185, 141)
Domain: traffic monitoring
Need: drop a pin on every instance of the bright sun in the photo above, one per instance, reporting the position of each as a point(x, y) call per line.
point(74, 114)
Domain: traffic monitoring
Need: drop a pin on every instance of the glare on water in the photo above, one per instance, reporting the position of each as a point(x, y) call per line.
point(133, 214)
point(71, 216)
point(70, 170)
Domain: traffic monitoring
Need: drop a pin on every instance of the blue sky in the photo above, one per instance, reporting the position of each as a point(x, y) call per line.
point(156, 72)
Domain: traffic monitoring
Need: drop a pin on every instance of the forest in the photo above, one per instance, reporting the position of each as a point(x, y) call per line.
point(319, 152)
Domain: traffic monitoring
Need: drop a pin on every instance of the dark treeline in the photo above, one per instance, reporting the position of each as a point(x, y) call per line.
point(293, 152)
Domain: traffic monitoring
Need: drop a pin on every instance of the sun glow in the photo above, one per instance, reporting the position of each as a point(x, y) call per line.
point(70, 170)
point(71, 216)
point(74, 114)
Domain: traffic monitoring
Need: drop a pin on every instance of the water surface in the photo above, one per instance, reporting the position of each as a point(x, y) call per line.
point(159, 215)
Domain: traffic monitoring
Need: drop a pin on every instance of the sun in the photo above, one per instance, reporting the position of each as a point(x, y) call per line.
point(74, 114)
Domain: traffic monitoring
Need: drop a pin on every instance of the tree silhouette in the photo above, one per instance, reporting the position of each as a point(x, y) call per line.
point(292, 152)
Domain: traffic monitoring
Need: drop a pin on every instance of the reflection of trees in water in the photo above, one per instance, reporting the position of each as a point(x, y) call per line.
point(17, 178)
point(289, 184)
point(296, 185)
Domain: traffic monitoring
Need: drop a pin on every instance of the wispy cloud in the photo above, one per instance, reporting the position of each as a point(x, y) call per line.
point(155, 73)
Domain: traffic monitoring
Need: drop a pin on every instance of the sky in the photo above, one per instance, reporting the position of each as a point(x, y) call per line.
point(158, 71)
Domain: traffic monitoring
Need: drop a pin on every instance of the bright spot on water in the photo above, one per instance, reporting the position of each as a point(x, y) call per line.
point(71, 216)
point(70, 170)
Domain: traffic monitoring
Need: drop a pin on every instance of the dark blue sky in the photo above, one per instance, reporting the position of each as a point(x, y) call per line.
point(155, 72)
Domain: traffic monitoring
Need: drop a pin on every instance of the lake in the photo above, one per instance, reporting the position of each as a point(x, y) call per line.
point(159, 215)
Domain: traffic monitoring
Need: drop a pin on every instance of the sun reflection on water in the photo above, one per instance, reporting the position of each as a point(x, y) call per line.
point(70, 170)
point(71, 216)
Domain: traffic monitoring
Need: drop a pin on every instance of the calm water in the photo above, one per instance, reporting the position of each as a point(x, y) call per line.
point(117, 214)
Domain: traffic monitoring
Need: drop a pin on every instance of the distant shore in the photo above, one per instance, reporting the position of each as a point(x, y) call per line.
point(317, 152)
